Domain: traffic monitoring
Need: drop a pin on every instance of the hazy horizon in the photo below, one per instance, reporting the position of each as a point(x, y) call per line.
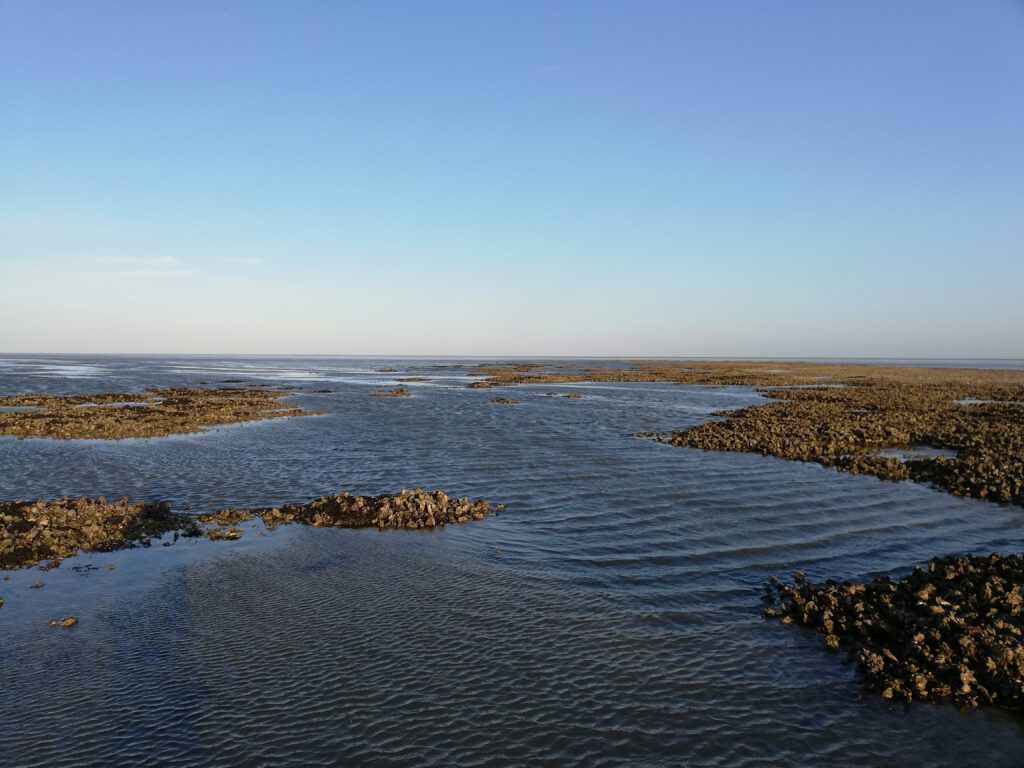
point(697, 358)
point(793, 180)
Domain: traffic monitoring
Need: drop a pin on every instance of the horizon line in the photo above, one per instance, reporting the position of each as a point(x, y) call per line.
point(726, 358)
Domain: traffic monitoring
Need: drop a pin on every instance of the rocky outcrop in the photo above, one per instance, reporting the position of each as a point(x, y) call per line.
point(951, 631)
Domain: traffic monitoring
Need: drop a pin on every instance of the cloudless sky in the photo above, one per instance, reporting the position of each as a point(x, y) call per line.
point(717, 178)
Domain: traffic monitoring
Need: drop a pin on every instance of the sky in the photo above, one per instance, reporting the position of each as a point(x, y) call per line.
point(680, 178)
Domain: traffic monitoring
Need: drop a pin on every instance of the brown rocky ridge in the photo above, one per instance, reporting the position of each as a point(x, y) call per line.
point(32, 532)
point(505, 401)
point(152, 413)
point(846, 416)
point(953, 631)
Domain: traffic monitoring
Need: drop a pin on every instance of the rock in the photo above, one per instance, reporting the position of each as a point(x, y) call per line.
point(70, 621)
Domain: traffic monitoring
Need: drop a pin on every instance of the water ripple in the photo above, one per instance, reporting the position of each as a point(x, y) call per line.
point(609, 618)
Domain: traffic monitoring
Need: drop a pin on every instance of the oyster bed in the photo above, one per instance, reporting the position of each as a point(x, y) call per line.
point(32, 532)
point(950, 631)
point(152, 413)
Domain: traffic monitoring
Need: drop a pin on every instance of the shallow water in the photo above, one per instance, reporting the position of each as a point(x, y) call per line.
point(610, 616)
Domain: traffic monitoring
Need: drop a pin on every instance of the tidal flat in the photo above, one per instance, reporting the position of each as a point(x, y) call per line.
point(611, 616)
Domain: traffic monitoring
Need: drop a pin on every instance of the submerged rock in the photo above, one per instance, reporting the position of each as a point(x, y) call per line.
point(953, 631)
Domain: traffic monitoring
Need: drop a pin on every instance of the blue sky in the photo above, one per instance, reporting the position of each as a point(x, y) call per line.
point(552, 178)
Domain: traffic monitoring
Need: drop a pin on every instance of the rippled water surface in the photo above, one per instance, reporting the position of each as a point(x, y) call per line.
point(610, 616)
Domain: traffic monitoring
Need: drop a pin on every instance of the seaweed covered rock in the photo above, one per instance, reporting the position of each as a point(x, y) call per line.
point(953, 631)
